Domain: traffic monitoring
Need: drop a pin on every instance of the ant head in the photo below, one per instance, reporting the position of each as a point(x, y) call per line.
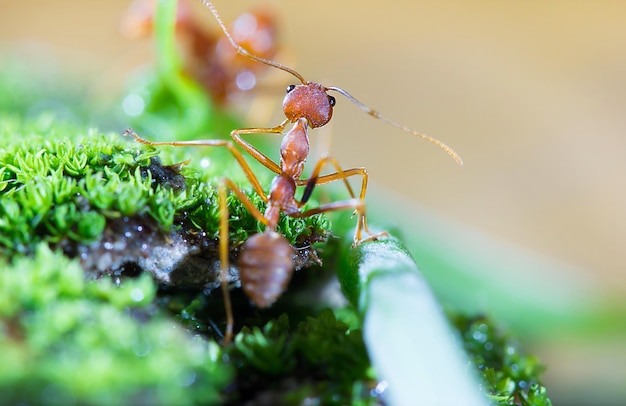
point(310, 101)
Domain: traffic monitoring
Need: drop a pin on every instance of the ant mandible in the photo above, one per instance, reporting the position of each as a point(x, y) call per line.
point(266, 259)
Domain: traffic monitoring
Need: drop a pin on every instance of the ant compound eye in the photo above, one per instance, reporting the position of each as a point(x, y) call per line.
point(290, 88)
point(331, 100)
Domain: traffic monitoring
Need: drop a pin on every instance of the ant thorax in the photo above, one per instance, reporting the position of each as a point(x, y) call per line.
point(294, 149)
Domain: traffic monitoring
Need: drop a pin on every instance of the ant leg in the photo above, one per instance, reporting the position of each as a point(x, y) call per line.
point(209, 143)
point(315, 179)
point(355, 204)
point(343, 175)
point(252, 209)
point(223, 247)
point(255, 153)
point(224, 266)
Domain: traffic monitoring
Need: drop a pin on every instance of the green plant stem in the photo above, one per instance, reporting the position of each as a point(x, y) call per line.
point(196, 106)
point(408, 338)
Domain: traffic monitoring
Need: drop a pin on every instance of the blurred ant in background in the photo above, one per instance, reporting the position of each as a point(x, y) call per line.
point(208, 56)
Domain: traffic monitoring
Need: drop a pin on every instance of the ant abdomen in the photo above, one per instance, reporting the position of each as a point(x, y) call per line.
point(265, 267)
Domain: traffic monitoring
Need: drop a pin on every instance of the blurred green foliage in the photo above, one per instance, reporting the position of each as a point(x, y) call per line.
point(321, 358)
point(68, 341)
point(509, 376)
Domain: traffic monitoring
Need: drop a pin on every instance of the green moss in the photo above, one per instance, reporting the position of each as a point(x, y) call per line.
point(321, 360)
point(68, 341)
point(509, 376)
point(59, 181)
point(63, 183)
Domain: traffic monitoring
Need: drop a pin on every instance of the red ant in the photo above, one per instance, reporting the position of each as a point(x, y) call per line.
point(266, 259)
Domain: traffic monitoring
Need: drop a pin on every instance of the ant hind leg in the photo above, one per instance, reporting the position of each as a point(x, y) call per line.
point(357, 203)
point(361, 226)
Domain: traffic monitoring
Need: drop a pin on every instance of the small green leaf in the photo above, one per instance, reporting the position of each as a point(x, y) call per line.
point(91, 225)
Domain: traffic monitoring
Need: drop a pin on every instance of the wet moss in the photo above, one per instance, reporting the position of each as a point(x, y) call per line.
point(70, 186)
point(510, 377)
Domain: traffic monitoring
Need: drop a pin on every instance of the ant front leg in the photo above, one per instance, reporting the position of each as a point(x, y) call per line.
point(255, 153)
point(209, 143)
point(358, 204)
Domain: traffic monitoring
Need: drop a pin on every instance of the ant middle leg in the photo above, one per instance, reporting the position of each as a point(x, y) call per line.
point(225, 185)
point(224, 264)
point(266, 259)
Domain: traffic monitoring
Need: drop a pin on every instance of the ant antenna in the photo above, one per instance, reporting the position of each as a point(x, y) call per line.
point(244, 52)
point(379, 116)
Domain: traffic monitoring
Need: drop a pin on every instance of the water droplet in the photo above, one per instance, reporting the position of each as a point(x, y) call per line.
point(133, 105)
point(245, 80)
point(380, 388)
point(137, 295)
point(245, 25)
point(141, 347)
point(187, 379)
point(478, 336)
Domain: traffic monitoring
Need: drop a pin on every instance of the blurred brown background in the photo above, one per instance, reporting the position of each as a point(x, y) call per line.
point(531, 94)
